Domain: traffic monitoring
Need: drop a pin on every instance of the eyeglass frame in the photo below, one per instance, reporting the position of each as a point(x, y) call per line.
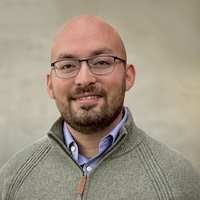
point(53, 66)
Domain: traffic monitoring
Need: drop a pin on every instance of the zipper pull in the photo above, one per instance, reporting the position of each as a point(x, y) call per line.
point(81, 185)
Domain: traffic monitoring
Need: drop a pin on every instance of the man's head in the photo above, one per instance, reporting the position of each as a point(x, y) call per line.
point(89, 102)
point(82, 29)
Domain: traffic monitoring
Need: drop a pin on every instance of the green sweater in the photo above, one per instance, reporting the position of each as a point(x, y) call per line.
point(136, 167)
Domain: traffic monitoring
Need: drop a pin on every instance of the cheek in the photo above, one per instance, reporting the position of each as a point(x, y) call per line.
point(118, 79)
point(115, 84)
point(61, 88)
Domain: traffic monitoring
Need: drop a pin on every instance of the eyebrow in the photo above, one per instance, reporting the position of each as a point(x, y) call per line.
point(95, 52)
point(101, 51)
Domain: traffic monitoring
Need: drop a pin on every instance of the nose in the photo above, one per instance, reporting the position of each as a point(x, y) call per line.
point(85, 77)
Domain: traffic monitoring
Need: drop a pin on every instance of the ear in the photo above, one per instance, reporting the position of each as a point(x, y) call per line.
point(50, 86)
point(130, 76)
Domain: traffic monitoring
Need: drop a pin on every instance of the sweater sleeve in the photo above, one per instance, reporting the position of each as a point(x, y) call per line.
point(11, 173)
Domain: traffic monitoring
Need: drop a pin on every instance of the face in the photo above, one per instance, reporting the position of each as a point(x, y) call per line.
point(88, 102)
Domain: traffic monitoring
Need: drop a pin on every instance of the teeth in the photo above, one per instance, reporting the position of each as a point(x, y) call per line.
point(88, 98)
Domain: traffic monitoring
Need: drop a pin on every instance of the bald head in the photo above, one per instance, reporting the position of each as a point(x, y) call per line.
point(85, 35)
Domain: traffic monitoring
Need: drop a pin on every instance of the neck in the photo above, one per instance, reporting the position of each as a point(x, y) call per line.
point(88, 144)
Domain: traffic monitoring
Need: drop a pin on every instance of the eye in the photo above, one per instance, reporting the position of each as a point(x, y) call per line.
point(67, 66)
point(103, 61)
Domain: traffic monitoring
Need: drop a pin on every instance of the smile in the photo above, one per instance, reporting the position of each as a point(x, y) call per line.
point(88, 98)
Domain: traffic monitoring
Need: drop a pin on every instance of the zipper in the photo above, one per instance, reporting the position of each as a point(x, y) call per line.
point(81, 185)
point(83, 179)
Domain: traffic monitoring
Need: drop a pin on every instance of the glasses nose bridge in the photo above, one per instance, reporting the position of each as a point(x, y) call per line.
point(87, 62)
point(84, 60)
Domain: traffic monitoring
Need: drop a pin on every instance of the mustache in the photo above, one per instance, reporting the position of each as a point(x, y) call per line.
point(88, 89)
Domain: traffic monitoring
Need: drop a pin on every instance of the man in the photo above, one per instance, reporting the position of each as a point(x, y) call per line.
point(95, 151)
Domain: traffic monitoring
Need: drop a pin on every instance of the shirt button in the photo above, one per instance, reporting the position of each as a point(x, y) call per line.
point(89, 169)
point(73, 148)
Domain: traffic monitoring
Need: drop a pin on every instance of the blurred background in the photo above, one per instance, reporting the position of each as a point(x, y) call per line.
point(162, 39)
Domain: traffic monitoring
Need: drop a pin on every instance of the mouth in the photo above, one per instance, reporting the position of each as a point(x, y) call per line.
point(87, 98)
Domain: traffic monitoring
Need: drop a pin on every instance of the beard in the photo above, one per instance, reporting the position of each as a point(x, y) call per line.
point(90, 119)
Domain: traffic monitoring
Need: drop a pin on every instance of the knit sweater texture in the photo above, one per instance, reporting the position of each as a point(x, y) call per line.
point(135, 167)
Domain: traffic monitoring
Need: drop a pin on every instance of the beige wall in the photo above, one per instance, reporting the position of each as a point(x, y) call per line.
point(162, 40)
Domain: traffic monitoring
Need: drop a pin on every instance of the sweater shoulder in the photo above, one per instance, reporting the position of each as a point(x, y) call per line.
point(164, 153)
point(27, 152)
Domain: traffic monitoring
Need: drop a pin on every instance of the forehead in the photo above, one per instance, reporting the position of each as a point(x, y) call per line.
point(83, 38)
point(92, 52)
